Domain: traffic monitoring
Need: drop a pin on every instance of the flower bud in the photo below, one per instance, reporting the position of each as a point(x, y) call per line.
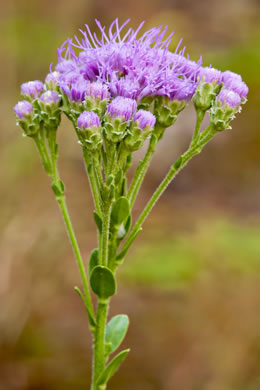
point(26, 118)
point(96, 98)
point(140, 128)
point(89, 130)
point(208, 88)
point(52, 80)
point(166, 110)
point(50, 98)
point(50, 111)
point(23, 109)
point(119, 112)
point(234, 82)
point(32, 89)
point(224, 109)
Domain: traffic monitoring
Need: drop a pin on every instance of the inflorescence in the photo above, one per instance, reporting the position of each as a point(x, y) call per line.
point(118, 75)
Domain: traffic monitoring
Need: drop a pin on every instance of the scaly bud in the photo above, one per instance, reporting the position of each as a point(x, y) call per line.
point(140, 128)
point(226, 106)
point(89, 130)
point(119, 112)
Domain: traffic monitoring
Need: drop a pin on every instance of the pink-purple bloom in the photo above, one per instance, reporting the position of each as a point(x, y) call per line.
point(23, 109)
point(32, 89)
point(97, 90)
point(52, 78)
point(88, 120)
point(50, 98)
point(234, 82)
point(121, 107)
point(229, 97)
point(210, 75)
point(144, 119)
point(130, 67)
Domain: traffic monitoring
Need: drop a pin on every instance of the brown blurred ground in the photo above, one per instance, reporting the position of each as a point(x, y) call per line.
point(195, 330)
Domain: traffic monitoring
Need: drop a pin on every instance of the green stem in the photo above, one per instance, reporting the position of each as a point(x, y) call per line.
point(63, 207)
point(99, 358)
point(196, 134)
point(44, 154)
point(92, 179)
point(105, 233)
point(141, 171)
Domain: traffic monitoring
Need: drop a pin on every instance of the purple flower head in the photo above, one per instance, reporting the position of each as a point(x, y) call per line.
point(122, 107)
point(32, 89)
point(144, 119)
point(131, 67)
point(76, 91)
point(52, 78)
point(228, 97)
point(66, 66)
point(49, 98)
point(210, 75)
point(98, 90)
point(229, 76)
point(23, 109)
point(233, 81)
point(88, 120)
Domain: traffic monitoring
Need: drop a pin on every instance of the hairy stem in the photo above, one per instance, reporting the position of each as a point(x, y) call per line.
point(140, 172)
point(99, 359)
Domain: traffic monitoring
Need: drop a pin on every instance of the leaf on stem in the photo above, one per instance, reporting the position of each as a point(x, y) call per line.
point(112, 367)
point(102, 282)
point(120, 211)
point(93, 260)
point(115, 332)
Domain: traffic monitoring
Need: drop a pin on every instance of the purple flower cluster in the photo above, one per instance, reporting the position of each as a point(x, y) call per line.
point(232, 83)
point(128, 66)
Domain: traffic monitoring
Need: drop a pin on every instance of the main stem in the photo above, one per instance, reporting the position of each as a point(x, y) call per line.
point(99, 358)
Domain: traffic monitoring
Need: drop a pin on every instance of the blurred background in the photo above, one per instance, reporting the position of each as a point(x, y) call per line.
point(191, 283)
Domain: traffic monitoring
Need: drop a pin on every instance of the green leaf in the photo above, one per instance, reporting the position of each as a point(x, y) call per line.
point(103, 282)
point(115, 331)
point(112, 367)
point(120, 210)
point(178, 163)
point(93, 260)
point(57, 191)
point(98, 221)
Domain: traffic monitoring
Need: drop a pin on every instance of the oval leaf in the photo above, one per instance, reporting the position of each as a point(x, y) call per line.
point(112, 367)
point(115, 331)
point(93, 260)
point(102, 282)
point(120, 210)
